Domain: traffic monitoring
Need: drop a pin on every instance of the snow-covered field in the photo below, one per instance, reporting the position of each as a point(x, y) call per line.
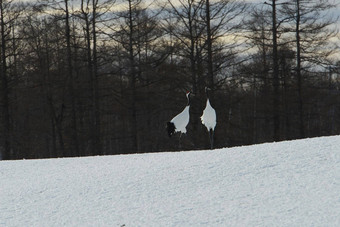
point(294, 183)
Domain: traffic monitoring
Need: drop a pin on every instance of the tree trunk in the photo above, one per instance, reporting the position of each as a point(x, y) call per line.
point(74, 129)
point(276, 84)
point(6, 144)
point(209, 45)
point(298, 70)
point(132, 84)
point(97, 138)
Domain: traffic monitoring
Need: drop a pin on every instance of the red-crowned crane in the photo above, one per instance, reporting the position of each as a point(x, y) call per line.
point(180, 121)
point(208, 119)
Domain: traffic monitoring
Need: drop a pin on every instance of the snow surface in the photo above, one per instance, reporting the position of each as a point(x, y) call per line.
point(208, 117)
point(181, 120)
point(295, 183)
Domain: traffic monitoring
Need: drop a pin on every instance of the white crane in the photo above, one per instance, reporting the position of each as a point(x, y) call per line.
point(208, 119)
point(180, 121)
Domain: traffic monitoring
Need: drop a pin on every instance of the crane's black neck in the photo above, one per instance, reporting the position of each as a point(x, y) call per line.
point(207, 91)
point(188, 97)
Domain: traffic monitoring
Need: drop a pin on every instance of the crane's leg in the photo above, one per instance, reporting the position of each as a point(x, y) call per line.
point(211, 137)
point(179, 141)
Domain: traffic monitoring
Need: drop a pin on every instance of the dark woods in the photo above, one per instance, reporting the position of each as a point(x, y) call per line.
point(91, 77)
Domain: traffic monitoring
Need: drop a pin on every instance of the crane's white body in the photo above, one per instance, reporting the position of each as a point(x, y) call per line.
point(208, 117)
point(181, 120)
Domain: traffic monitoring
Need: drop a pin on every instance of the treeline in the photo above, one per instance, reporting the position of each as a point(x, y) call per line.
point(102, 77)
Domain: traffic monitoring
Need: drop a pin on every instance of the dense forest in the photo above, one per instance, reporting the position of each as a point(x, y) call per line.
point(102, 77)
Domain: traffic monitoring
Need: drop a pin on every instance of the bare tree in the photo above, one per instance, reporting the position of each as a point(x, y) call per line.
point(276, 80)
point(310, 23)
point(10, 12)
point(222, 19)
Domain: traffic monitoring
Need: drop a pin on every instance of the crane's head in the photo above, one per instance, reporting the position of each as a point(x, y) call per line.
point(207, 90)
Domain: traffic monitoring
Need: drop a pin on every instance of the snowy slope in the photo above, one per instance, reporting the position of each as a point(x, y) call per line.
point(294, 183)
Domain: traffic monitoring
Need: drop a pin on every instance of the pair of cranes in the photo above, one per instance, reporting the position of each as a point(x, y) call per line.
point(208, 118)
